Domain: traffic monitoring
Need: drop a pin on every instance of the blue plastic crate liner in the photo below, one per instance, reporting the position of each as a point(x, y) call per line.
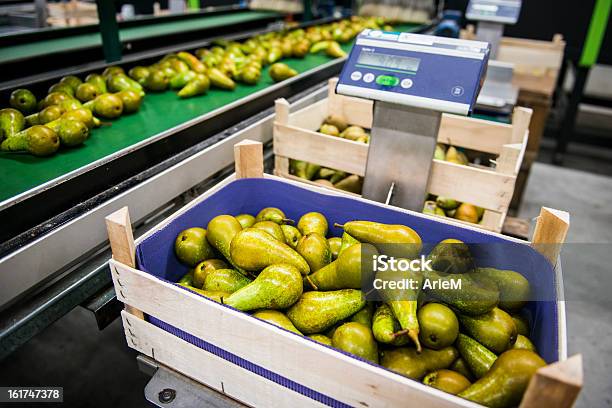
point(155, 254)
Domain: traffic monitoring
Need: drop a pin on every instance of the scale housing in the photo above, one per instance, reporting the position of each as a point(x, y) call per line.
point(412, 79)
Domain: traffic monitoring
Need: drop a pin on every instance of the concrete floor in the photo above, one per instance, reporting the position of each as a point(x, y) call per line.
point(98, 370)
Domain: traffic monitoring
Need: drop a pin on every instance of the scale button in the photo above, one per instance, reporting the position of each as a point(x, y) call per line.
point(356, 76)
point(387, 80)
point(369, 77)
point(406, 83)
point(457, 90)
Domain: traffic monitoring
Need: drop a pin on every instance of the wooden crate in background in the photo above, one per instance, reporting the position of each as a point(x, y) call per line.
point(296, 137)
point(536, 73)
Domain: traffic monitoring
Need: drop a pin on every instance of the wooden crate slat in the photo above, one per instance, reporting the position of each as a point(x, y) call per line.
point(292, 356)
point(474, 134)
point(207, 368)
point(329, 151)
point(310, 117)
point(484, 188)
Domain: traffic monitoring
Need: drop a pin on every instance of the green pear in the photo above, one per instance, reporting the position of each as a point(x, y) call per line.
point(514, 288)
point(439, 326)
point(276, 287)
point(37, 140)
point(71, 132)
point(521, 323)
point(271, 228)
point(447, 381)
point(315, 312)
point(398, 241)
point(321, 338)
point(315, 250)
point(335, 243)
point(386, 328)
point(292, 235)
point(225, 280)
point(87, 92)
point(477, 357)
point(23, 100)
point(273, 214)
point(253, 249)
point(523, 343)
point(131, 100)
point(276, 318)
point(357, 339)
point(407, 361)
point(245, 220)
point(345, 272)
point(461, 367)
point(197, 86)
point(313, 222)
point(505, 383)
point(365, 315)
point(451, 256)
point(11, 122)
point(191, 246)
point(495, 329)
point(98, 81)
point(221, 230)
point(347, 241)
point(202, 269)
point(214, 295)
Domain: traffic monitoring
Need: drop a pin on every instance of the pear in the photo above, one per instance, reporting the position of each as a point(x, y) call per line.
point(336, 120)
point(408, 362)
point(447, 381)
point(54, 98)
point(292, 235)
point(440, 152)
point(385, 326)
point(316, 312)
point(504, 385)
point(191, 246)
point(253, 249)
point(495, 330)
point(87, 92)
point(98, 81)
point(461, 367)
point(49, 114)
point(455, 156)
point(271, 228)
point(467, 212)
point(204, 268)
point(221, 231)
point(334, 50)
point(11, 122)
point(139, 74)
point(315, 250)
point(523, 343)
point(477, 357)
point(37, 140)
point(321, 338)
point(245, 220)
point(216, 296)
point(431, 208)
point(276, 318)
point(71, 132)
point(365, 315)
point(131, 100)
point(346, 271)
point(181, 79)
point(197, 86)
point(220, 80)
point(352, 184)
point(107, 105)
point(192, 61)
point(273, 214)
point(398, 241)
point(357, 339)
point(347, 241)
point(225, 280)
point(280, 72)
point(23, 100)
point(514, 288)
point(451, 256)
point(329, 130)
point(313, 222)
point(335, 243)
point(277, 287)
point(64, 88)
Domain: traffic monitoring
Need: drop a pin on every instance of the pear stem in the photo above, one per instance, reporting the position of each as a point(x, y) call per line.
point(312, 284)
point(288, 221)
point(413, 335)
point(338, 225)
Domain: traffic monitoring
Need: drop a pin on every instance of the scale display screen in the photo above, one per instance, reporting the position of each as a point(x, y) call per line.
point(388, 61)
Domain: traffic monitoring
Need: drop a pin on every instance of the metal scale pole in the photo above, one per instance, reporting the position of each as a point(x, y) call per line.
point(402, 147)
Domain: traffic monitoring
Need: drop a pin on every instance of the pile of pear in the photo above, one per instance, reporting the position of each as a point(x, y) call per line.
point(65, 116)
point(335, 126)
point(472, 342)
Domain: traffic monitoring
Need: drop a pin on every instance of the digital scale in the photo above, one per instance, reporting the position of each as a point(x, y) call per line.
point(412, 79)
point(498, 95)
point(492, 15)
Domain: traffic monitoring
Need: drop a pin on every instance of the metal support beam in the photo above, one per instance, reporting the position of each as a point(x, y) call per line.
point(109, 30)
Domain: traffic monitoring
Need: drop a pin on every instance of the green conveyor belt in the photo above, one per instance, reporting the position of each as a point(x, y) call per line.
point(128, 34)
point(20, 172)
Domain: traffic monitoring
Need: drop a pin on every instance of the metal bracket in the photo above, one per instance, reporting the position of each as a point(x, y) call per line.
point(490, 32)
point(168, 388)
point(400, 154)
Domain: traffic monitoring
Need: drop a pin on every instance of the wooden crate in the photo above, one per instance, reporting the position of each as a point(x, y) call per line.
point(296, 137)
point(536, 63)
point(264, 364)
